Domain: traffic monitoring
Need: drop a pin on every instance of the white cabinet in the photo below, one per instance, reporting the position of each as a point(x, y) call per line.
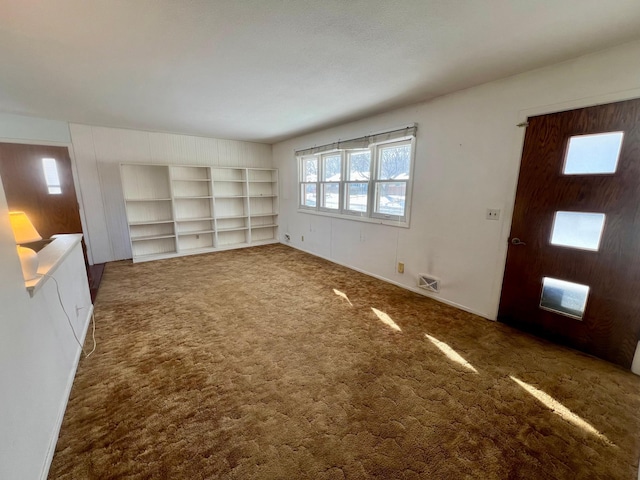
point(177, 210)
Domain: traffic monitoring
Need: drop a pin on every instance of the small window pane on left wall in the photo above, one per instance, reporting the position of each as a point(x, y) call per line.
point(51, 177)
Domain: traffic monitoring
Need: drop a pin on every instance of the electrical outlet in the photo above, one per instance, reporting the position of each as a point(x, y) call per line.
point(400, 267)
point(493, 214)
point(303, 238)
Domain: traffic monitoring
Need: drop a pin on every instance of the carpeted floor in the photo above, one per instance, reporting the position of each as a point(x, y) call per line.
point(268, 363)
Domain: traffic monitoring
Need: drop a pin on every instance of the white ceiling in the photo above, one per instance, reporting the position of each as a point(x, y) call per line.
point(266, 70)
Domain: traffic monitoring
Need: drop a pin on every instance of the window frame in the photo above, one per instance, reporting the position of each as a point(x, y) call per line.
point(370, 215)
point(347, 169)
point(378, 181)
point(322, 182)
point(302, 182)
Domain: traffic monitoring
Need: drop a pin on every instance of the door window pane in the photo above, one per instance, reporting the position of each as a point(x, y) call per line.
point(310, 170)
point(309, 195)
point(394, 162)
point(331, 195)
point(357, 196)
point(578, 230)
point(564, 297)
point(591, 154)
point(390, 198)
point(51, 176)
point(359, 166)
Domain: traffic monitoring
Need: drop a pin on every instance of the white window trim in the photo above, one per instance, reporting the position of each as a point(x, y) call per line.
point(322, 182)
point(370, 216)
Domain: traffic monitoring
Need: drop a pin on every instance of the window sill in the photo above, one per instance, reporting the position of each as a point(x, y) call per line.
point(356, 218)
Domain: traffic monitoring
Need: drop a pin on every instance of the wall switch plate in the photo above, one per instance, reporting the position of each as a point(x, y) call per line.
point(493, 214)
point(400, 267)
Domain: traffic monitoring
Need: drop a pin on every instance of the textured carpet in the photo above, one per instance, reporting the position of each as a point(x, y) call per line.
point(268, 363)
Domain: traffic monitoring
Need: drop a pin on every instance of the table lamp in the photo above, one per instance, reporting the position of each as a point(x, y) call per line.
point(25, 232)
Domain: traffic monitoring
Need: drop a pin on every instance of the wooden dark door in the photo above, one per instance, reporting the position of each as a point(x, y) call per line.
point(573, 264)
point(26, 187)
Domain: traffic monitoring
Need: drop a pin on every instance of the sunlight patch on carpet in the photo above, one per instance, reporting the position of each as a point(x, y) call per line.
point(342, 295)
point(386, 319)
point(451, 353)
point(560, 410)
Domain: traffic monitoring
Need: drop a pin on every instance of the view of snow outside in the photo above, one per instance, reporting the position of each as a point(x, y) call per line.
point(394, 163)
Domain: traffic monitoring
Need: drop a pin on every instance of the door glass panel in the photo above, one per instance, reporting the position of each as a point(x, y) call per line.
point(578, 230)
point(564, 297)
point(51, 176)
point(592, 154)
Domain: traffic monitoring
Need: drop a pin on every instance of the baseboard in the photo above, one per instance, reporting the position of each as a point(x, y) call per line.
point(397, 284)
point(63, 406)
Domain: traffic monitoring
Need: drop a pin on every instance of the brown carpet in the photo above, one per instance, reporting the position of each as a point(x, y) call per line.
point(247, 364)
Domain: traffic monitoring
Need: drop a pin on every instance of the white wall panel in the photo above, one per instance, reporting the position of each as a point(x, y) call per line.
point(89, 182)
point(467, 160)
point(99, 152)
point(22, 128)
point(38, 356)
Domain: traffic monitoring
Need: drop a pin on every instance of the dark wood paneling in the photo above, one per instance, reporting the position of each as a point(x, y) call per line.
point(26, 189)
point(611, 325)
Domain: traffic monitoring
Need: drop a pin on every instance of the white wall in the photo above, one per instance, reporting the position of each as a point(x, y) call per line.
point(467, 160)
point(98, 152)
point(38, 356)
point(21, 128)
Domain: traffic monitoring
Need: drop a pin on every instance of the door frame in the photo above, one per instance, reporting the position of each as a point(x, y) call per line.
point(74, 175)
point(518, 143)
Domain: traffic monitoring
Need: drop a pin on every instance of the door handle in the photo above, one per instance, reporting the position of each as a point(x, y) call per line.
point(517, 241)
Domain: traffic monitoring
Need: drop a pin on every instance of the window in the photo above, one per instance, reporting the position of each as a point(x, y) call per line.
point(593, 154)
point(51, 176)
point(394, 161)
point(330, 185)
point(370, 184)
point(309, 184)
point(357, 182)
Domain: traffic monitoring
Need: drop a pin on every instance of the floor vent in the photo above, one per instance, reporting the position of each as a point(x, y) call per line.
point(428, 283)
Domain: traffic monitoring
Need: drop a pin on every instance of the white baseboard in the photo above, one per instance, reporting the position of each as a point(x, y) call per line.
point(387, 280)
point(63, 406)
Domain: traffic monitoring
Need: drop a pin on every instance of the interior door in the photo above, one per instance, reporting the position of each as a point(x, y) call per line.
point(573, 264)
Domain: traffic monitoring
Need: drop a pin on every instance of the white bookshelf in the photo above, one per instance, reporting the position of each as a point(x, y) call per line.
point(181, 210)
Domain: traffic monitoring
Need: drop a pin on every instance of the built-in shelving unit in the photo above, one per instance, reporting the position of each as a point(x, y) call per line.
point(175, 210)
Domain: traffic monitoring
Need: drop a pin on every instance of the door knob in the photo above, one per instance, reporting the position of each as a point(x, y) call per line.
point(517, 241)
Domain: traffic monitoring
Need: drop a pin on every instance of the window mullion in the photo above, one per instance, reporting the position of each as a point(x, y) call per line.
point(373, 180)
point(342, 192)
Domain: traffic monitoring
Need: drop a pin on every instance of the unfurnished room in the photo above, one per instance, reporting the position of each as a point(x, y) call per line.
point(338, 240)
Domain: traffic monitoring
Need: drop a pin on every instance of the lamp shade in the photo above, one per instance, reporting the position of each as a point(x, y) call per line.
point(23, 229)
